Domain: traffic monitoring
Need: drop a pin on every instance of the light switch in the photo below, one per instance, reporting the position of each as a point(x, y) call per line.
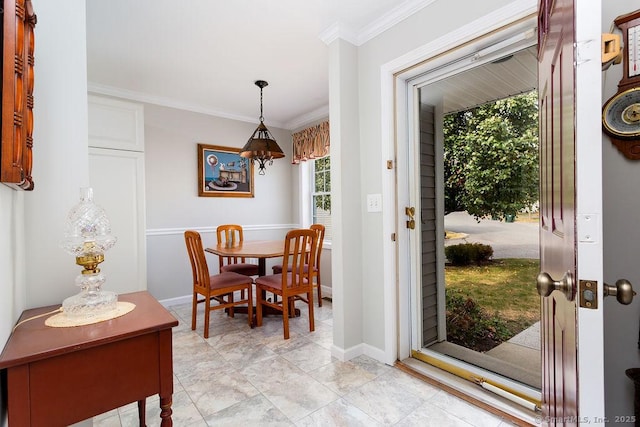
point(374, 202)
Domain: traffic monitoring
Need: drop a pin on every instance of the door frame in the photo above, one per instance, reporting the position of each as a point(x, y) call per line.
point(395, 116)
point(395, 113)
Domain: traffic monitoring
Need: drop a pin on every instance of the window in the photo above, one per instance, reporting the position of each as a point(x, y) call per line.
point(321, 194)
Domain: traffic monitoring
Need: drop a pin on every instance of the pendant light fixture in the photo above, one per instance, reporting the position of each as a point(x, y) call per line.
point(262, 146)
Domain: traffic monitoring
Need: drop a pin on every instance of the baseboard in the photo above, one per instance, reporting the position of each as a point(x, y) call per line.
point(348, 354)
point(176, 301)
point(326, 292)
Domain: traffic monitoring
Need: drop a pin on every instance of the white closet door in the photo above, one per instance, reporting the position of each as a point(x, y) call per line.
point(117, 179)
point(116, 173)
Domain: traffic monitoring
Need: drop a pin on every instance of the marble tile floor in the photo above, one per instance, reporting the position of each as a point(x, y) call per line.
point(253, 377)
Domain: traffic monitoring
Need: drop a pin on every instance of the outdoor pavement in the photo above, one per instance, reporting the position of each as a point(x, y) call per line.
point(508, 239)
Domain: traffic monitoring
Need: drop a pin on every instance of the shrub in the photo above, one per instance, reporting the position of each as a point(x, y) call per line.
point(471, 326)
point(468, 253)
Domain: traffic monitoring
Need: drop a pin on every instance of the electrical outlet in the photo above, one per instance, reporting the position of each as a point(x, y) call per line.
point(374, 202)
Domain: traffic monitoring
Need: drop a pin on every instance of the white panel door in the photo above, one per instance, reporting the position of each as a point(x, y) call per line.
point(117, 179)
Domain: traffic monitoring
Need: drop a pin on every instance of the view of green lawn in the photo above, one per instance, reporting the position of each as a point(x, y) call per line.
point(503, 289)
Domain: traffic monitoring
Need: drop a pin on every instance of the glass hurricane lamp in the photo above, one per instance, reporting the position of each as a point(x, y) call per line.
point(87, 236)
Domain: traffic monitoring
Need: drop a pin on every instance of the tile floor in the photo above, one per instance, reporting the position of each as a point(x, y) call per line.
point(253, 377)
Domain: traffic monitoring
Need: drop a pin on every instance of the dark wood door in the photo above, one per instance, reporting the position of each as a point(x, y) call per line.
point(557, 210)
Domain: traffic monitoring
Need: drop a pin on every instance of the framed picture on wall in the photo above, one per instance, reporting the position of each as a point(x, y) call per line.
point(223, 173)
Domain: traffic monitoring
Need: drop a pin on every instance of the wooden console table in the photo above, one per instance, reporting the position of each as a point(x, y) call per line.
point(60, 376)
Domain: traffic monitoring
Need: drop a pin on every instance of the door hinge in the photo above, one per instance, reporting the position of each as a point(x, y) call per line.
point(583, 51)
point(393, 237)
point(389, 164)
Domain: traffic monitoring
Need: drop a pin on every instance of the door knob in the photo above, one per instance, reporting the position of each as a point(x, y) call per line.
point(623, 291)
point(545, 285)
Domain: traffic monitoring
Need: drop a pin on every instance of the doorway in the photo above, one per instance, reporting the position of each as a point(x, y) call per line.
point(489, 166)
point(460, 83)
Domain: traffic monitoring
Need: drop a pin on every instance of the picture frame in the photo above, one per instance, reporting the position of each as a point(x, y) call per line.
point(222, 172)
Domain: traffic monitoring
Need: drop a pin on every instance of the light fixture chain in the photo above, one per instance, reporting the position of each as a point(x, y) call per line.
point(261, 116)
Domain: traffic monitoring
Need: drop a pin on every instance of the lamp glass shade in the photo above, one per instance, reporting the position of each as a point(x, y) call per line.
point(88, 236)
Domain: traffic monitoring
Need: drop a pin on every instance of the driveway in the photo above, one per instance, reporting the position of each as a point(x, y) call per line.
point(508, 239)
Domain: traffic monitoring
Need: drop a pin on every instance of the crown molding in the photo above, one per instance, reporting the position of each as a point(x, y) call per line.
point(390, 19)
point(308, 118)
point(338, 31)
point(131, 95)
point(373, 29)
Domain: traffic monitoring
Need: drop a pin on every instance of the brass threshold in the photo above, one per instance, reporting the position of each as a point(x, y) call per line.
point(486, 383)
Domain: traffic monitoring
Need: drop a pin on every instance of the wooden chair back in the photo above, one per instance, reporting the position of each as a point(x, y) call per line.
point(230, 234)
point(199, 266)
point(300, 247)
point(319, 229)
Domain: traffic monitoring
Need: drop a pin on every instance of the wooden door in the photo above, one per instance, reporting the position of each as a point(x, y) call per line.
point(570, 393)
point(557, 208)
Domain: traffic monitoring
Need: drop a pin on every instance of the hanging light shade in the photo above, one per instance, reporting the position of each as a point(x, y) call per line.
point(262, 146)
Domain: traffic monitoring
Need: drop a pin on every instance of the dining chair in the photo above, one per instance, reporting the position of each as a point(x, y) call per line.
point(315, 273)
point(217, 287)
point(231, 234)
point(300, 248)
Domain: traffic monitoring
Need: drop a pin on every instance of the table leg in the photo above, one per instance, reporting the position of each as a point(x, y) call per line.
point(166, 411)
point(142, 413)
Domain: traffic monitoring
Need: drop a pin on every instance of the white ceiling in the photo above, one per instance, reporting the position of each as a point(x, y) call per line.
point(204, 55)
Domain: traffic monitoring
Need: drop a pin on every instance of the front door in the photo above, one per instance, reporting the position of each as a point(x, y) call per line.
point(570, 209)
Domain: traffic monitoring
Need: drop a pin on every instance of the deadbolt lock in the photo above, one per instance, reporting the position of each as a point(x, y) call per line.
point(411, 224)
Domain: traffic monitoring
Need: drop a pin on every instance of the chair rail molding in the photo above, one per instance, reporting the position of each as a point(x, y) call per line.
point(212, 229)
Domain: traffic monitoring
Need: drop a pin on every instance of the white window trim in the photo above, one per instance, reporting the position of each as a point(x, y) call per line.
point(306, 197)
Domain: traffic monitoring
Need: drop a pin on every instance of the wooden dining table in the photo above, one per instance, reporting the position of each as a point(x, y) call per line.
point(259, 249)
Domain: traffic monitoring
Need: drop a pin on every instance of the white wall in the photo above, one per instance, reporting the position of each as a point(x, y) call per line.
point(415, 31)
point(34, 271)
point(621, 180)
point(173, 205)
point(346, 210)
point(60, 153)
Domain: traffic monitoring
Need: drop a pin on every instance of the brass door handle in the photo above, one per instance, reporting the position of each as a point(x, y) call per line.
point(546, 285)
point(623, 291)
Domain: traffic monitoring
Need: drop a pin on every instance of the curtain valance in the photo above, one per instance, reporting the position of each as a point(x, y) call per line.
point(311, 143)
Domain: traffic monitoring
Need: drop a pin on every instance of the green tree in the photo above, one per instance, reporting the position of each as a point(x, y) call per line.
point(491, 157)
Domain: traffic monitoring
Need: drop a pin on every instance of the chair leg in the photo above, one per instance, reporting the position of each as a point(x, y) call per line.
point(319, 289)
point(230, 296)
point(312, 325)
point(259, 296)
point(250, 305)
point(285, 317)
point(207, 311)
point(194, 311)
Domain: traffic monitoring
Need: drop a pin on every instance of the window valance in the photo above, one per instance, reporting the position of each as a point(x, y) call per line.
point(311, 143)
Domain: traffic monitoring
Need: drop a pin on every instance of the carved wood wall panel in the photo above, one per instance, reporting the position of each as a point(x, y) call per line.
point(16, 150)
